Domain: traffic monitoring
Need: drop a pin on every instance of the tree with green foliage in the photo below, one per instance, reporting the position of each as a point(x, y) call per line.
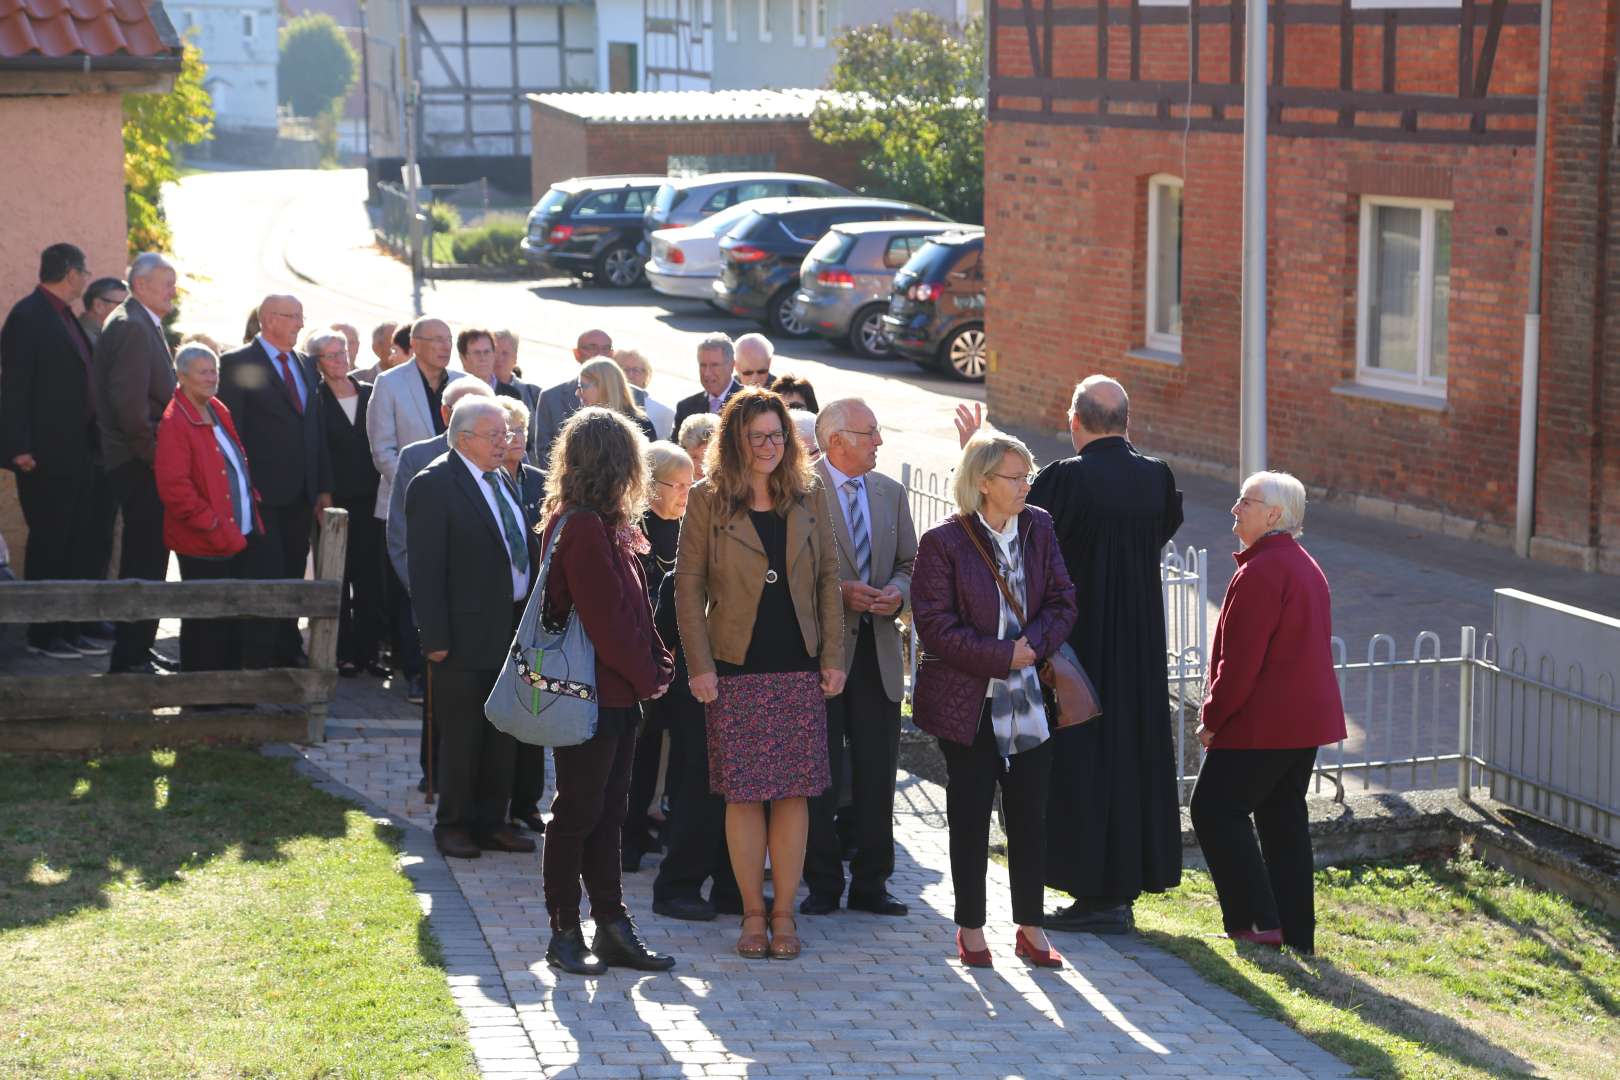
point(154, 124)
point(317, 66)
point(912, 93)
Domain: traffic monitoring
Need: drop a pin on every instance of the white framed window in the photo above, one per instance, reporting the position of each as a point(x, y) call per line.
point(801, 22)
point(1164, 264)
point(765, 21)
point(818, 24)
point(731, 19)
point(1404, 294)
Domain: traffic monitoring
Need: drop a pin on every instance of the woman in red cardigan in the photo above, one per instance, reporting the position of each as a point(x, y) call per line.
point(1273, 700)
point(210, 515)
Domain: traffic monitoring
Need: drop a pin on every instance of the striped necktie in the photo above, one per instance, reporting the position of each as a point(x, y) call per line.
point(858, 530)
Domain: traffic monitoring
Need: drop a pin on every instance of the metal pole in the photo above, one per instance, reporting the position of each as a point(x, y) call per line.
point(1524, 511)
point(413, 210)
point(1465, 715)
point(1252, 409)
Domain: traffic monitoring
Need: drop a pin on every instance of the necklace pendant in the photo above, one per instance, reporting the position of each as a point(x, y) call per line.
point(770, 577)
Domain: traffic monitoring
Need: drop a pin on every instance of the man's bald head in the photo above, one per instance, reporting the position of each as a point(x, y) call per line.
point(281, 317)
point(591, 344)
point(1100, 408)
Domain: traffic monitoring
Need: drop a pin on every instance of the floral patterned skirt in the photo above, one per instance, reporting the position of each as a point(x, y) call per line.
point(768, 737)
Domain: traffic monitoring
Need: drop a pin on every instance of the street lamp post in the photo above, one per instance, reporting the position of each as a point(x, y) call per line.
point(1252, 394)
point(412, 177)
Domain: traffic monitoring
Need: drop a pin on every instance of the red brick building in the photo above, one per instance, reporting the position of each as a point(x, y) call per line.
point(1401, 167)
point(683, 132)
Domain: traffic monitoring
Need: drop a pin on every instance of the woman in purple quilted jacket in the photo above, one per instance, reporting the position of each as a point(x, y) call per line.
point(977, 689)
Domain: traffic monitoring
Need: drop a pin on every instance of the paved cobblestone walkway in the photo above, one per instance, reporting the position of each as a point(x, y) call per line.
point(870, 997)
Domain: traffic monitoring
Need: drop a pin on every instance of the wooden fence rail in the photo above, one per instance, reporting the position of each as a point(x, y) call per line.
point(129, 698)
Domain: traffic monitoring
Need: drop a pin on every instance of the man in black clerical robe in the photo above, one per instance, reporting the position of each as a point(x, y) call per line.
point(1113, 819)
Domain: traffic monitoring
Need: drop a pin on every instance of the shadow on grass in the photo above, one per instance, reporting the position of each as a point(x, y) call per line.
point(72, 831)
point(1322, 979)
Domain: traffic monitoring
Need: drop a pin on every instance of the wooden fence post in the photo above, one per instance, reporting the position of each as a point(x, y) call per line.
point(331, 546)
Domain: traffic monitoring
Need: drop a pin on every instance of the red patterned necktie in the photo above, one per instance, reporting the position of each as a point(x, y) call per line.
point(288, 384)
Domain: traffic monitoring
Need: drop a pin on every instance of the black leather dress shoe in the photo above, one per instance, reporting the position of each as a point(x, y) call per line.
point(567, 952)
point(533, 822)
point(162, 661)
point(876, 904)
point(818, 904)
point(618, 944)
point(1075, 919)
point(688, 908)
point(140, 667)
point(379, 669)
point(505, 839)
point(455, 843)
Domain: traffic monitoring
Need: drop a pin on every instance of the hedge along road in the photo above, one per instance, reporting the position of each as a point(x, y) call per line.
point(241, 235)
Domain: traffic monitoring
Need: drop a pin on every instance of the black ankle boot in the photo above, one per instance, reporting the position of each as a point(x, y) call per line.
point(567, 951)
point(619, 945)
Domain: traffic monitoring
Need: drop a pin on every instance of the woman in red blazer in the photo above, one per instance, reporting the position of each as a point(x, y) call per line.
point(210, 516)
point(1273, 700)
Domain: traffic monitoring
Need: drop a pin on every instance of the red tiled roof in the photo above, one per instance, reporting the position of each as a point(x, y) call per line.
point(59, 28)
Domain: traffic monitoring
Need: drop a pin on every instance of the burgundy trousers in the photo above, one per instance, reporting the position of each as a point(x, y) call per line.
point(582, 838)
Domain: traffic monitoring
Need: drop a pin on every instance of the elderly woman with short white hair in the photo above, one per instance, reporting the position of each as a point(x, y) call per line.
point(1273, 700)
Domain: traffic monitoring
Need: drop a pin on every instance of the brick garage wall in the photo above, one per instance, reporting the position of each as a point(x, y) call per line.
point(559, 147)
point(646, 148)
point(1066, 207)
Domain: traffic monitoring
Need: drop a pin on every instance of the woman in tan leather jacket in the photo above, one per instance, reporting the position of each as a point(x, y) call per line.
point(761, 619)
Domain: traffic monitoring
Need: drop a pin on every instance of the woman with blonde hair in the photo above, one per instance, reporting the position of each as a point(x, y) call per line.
point(761, 619)
point(602, 383)
point(598, 482)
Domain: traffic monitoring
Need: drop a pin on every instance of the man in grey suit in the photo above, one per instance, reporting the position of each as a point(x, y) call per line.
point(877, 544)
point(405, 408)
point(560, 402)
point(132, 380)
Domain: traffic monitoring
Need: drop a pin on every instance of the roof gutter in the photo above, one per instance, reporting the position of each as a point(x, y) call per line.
point(85, 64)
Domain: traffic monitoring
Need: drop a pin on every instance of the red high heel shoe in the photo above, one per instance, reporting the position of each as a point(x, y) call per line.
point(1046, 958)
point(972, 957)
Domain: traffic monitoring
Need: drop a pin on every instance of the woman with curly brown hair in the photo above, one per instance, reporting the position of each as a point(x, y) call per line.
point(761, 620)
point(598, 478)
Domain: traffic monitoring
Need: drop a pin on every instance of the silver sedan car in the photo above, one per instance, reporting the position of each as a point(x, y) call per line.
point(844, 282)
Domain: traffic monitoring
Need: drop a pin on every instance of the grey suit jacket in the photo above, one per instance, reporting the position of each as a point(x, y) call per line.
point(399, 414)
point(412, 460)
point(555, 406)
point(894, 549)
point(132, 380)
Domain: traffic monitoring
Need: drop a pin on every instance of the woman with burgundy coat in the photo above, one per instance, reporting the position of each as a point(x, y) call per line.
point(977, 688)
point(599, 473)
point(210, 510)
point(1273, 700)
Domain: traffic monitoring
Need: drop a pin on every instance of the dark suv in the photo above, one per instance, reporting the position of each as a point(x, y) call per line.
point(936, 311)
point(591, 226)
point(760, 256)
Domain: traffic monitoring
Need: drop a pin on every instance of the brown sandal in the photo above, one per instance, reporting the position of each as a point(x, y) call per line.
point(785, 946)
point(753, 946)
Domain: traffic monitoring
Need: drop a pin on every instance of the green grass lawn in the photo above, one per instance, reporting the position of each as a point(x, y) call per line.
point(1440, 969)
point(208, 913)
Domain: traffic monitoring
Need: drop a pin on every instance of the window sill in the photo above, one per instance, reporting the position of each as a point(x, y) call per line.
point(1386, 396)
point(1155, 356)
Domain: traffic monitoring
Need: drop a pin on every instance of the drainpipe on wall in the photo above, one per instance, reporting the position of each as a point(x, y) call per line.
point(1252, 344)
point(1525, 509)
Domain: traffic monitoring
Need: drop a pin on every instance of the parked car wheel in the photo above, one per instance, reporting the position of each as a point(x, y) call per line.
point(620, 267)
point(964, 354)
point(867, 334)
point(779, 314)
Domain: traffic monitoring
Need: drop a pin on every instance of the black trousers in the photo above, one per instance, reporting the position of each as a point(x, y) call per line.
point(360, 620)
point(474, 762)
point(1267, 885)
point(227, 644)
point(287, 529)
point(863, 716)
point(142, 556)
point(528, 780)
point(695, 835)
point(399, 617)
point(59, 505)
point(582, 838)
point(638, 824)
point(972, 773)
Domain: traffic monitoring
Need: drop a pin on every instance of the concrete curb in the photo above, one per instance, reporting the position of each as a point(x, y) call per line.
point(494, 1030)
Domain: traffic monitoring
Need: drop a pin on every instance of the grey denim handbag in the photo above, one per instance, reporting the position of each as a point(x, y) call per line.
point(546, 693)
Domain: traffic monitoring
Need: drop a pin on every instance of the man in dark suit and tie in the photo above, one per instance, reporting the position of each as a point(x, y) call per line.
point(473, 557)
point(877, 544)
point(716, 357)
point(132, 380)
point(48, 434)
point(270, 389)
